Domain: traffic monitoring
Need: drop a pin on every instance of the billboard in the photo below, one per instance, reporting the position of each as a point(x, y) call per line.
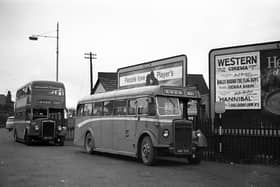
point(238, 82)
point(270, 80)
point(247, 79)
point(168, 71)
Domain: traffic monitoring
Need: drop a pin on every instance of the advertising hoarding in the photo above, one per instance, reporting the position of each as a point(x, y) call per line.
point(270, 79)
point(238, 80)
point(168, 71)
point(247, 79)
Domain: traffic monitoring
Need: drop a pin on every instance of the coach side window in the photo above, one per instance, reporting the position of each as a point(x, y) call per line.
point(143, 105)
point(108, 108)
point(80, 109)
point(120, 107)
point(88, 109)
point(132, 106)
point(97, 108)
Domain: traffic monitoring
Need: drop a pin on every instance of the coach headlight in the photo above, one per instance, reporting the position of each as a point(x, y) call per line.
point(165, 133)
point(59, 128)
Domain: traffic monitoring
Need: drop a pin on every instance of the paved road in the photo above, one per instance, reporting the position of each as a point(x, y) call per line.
point(46, 165)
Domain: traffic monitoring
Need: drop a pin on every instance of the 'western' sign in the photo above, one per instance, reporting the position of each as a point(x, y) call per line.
point(238, 82)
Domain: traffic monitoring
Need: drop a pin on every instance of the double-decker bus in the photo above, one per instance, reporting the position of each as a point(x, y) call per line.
point(39, 112)
point(144, 122)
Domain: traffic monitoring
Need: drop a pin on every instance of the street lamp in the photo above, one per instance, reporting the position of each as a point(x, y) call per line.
point(36, 37)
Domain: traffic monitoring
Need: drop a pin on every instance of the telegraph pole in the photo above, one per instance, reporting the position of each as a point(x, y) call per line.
point(90, 56)
point(57, 37)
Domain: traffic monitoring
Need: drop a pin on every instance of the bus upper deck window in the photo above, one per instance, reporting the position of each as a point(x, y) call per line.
point(39, 113)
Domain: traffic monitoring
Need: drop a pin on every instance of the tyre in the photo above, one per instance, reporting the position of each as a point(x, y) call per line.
point(59, 142)
point(15, 136)
point(148, 152)
point(27, 139)
point(196, 157)
point(89, 143)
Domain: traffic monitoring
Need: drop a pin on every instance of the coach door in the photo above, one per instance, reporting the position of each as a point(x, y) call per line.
point(107, 125)
point(124, 124)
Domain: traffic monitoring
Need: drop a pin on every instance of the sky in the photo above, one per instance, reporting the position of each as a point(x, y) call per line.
point(122, 33)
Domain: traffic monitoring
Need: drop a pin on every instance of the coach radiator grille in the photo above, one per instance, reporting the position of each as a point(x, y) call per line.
point(48, 128)
point(183, 136)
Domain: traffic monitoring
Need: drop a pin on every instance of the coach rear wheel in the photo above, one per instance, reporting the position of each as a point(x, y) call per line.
point(148, 152)
point(15, 136)
point(89, 143)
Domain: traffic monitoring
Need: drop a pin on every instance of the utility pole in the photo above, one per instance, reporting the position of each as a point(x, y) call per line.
point(57, 37)
point(90, 56)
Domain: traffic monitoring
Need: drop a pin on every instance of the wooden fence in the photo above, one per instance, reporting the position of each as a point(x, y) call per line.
point(257, 144)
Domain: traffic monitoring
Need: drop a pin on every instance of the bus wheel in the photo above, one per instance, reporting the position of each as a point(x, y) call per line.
point(148, 152)
point(196, 157)
point(89, 143)
point(27, 139)
point(59, 141)
point(15, 136)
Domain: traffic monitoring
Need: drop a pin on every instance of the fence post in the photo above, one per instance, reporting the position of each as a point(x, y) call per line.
point(220, 134)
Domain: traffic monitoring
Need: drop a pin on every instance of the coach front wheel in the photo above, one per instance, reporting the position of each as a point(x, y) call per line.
point(148, 152)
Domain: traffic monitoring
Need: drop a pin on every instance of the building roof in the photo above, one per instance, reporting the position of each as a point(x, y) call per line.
point(2, 99)
point(109, 81)
point(198, 81)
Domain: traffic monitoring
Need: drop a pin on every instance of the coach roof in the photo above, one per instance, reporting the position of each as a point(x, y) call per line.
point(123, 93)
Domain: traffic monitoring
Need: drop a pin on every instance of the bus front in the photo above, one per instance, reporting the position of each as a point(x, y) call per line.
point(176, 134)
point(47, 112)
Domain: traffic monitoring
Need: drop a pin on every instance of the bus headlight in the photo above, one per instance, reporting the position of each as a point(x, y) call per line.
point(165, 133)
point(59, 128)
point(198, 133)
point(36, 127)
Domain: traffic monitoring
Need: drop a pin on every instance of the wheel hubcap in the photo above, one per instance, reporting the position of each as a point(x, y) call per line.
point(146, 150)
point(88, 143)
